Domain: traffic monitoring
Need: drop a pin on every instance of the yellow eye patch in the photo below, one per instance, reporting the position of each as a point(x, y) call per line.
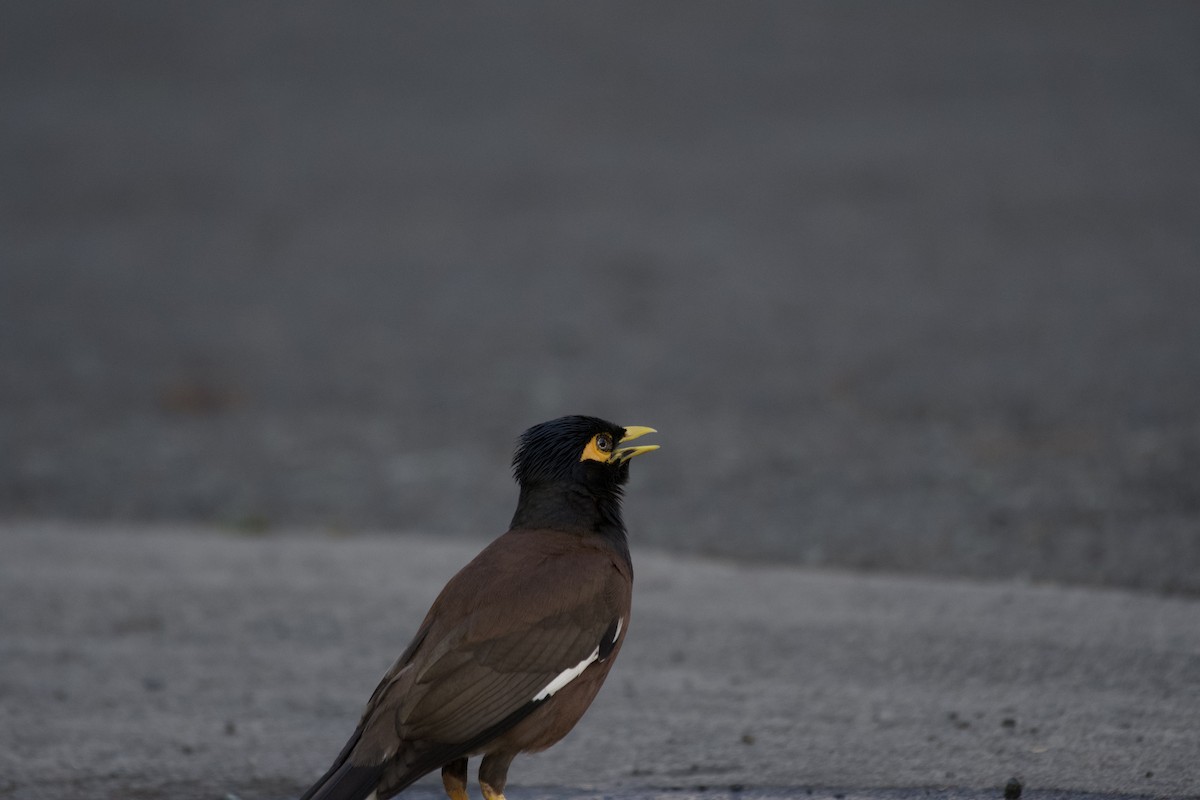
point(599, 448)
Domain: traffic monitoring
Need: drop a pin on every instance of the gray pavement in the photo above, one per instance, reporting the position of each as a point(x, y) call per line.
point(907, 287)
point(158, 662)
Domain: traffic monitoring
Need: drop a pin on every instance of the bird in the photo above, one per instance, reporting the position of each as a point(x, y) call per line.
point(515, 647)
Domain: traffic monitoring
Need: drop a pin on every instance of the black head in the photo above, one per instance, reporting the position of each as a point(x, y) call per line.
point(577, 449)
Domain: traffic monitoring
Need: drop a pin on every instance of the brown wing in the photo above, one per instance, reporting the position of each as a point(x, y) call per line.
point(530, 606)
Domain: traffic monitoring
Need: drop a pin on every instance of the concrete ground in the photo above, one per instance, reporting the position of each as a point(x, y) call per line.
point(199, 663)
point(910, 290)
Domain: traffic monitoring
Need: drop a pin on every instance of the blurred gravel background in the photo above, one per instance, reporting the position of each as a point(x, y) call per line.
point(904, 286)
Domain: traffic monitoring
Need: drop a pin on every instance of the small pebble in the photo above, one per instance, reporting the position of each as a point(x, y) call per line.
point(1012, 789)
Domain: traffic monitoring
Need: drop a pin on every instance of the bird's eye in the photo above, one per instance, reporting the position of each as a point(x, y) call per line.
point(603, 442)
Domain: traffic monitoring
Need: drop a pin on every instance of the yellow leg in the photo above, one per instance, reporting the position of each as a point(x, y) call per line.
point(454, 779)
point(489, 793)
point(493, 774)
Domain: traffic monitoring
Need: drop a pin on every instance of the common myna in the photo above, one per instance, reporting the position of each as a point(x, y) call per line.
point(517, 644)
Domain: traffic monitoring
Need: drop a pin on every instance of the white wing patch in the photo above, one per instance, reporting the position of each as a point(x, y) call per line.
point(566, 676)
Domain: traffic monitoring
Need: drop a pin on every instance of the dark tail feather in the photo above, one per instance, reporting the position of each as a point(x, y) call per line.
point(346, 782)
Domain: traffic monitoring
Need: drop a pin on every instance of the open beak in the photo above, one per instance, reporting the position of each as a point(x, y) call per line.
point(632, 432)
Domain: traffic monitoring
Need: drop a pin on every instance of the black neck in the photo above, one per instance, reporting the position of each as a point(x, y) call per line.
point(572, 508)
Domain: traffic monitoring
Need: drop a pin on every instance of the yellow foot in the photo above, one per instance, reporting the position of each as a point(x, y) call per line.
point(454, 779)
point(489, 793)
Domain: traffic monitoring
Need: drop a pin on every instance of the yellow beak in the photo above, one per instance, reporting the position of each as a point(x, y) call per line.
point(633, 432)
